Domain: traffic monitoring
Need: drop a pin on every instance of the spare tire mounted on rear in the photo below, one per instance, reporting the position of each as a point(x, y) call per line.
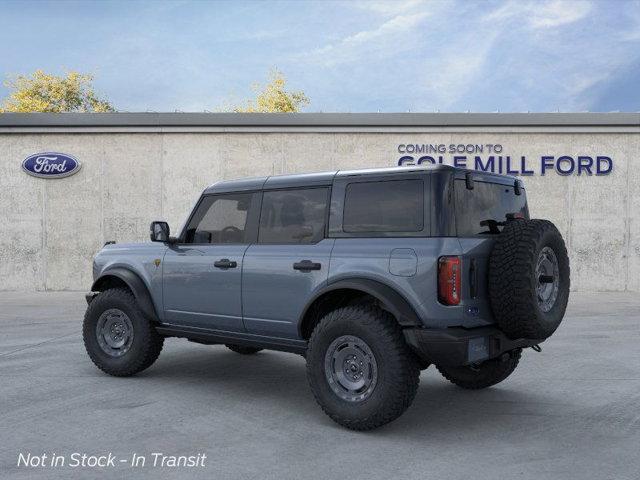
point(529, 279)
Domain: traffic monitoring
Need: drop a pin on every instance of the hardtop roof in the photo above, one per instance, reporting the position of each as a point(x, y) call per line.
point(326, 178)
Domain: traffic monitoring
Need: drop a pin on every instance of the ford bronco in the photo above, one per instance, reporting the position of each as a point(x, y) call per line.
point(371, 275)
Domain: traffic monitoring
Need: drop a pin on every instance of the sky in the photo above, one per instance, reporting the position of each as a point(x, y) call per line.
point(347, 56)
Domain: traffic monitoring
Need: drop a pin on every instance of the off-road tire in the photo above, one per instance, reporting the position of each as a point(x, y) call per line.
point(484, 375)
point(513, 282)
point(398, 372)
point(146, 344)
point(242, 349)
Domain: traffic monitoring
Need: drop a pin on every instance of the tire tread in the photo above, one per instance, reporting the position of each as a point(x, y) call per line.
point(489, 373)
point(405, 370)
point(511, 268)
point(152, 341)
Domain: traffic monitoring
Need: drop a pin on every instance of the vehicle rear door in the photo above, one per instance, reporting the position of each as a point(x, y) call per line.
point(289, 261)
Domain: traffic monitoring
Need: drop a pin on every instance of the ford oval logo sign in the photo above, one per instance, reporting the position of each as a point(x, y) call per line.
point(51, 165)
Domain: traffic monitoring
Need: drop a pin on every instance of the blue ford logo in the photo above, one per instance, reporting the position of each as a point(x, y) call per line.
point(51, 165)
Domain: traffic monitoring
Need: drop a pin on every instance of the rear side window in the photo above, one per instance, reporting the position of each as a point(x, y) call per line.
point(481, 211)
point(387, 206)
point(293, 216)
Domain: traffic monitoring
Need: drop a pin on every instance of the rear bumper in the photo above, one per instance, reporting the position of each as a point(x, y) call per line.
point(462, 346)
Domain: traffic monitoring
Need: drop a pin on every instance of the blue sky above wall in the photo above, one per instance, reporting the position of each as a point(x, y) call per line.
point(357, 56)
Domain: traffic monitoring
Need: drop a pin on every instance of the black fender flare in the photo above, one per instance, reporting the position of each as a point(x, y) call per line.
point(135, 284)
point(390, 299)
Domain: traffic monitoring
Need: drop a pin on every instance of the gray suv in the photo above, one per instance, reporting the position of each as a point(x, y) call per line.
point(371, 275)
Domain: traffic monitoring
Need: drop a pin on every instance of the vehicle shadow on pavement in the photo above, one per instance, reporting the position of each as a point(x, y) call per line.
point(280, 379)
point(441, 408)
point(268, 377)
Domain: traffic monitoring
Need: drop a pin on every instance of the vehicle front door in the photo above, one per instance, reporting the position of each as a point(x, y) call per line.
point(202, 273)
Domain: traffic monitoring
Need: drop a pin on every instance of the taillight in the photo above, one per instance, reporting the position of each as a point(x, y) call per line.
point(449, 274)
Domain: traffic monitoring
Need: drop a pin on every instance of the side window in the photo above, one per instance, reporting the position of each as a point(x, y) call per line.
point(293, 216)
point(220, 219)
point(387, 206)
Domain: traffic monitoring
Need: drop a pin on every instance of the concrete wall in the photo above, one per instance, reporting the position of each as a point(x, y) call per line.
point(50, 229)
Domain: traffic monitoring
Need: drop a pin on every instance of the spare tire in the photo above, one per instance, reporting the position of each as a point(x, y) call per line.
point(529, 279)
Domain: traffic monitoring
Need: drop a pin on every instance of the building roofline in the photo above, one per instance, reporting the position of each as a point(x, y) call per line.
point(17, 121)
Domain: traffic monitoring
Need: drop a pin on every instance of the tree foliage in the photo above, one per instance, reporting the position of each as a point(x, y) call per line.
point(42, 92)
point(273, 97)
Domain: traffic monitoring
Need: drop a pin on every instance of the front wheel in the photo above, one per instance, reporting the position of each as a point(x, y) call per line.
point(119, 339)
point(476, 377)
point(360, 370)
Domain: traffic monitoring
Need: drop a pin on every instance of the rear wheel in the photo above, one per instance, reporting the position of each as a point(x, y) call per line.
point(360, 370)
point(119, 339)
point(243, 350)
point(476, 377)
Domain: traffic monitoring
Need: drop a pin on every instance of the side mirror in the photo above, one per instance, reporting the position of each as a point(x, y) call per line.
point(159, 232)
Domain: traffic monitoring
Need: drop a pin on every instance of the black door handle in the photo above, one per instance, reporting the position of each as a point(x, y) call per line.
point(225, 263)
point(306, 265)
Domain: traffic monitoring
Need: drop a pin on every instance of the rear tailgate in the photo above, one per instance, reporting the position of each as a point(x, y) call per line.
point(481, 209)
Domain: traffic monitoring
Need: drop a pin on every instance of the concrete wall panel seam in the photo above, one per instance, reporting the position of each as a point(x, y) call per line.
point(627, 216)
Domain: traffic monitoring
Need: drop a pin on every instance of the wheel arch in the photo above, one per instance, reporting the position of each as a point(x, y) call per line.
point(120, 276)
point(348, 290)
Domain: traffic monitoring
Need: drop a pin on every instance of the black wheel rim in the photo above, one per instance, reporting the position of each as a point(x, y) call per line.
point(350, 368)
point(547, 279)
point(114, 332)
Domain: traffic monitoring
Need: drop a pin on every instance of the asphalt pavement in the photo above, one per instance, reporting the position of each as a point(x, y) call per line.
point(569, 412)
